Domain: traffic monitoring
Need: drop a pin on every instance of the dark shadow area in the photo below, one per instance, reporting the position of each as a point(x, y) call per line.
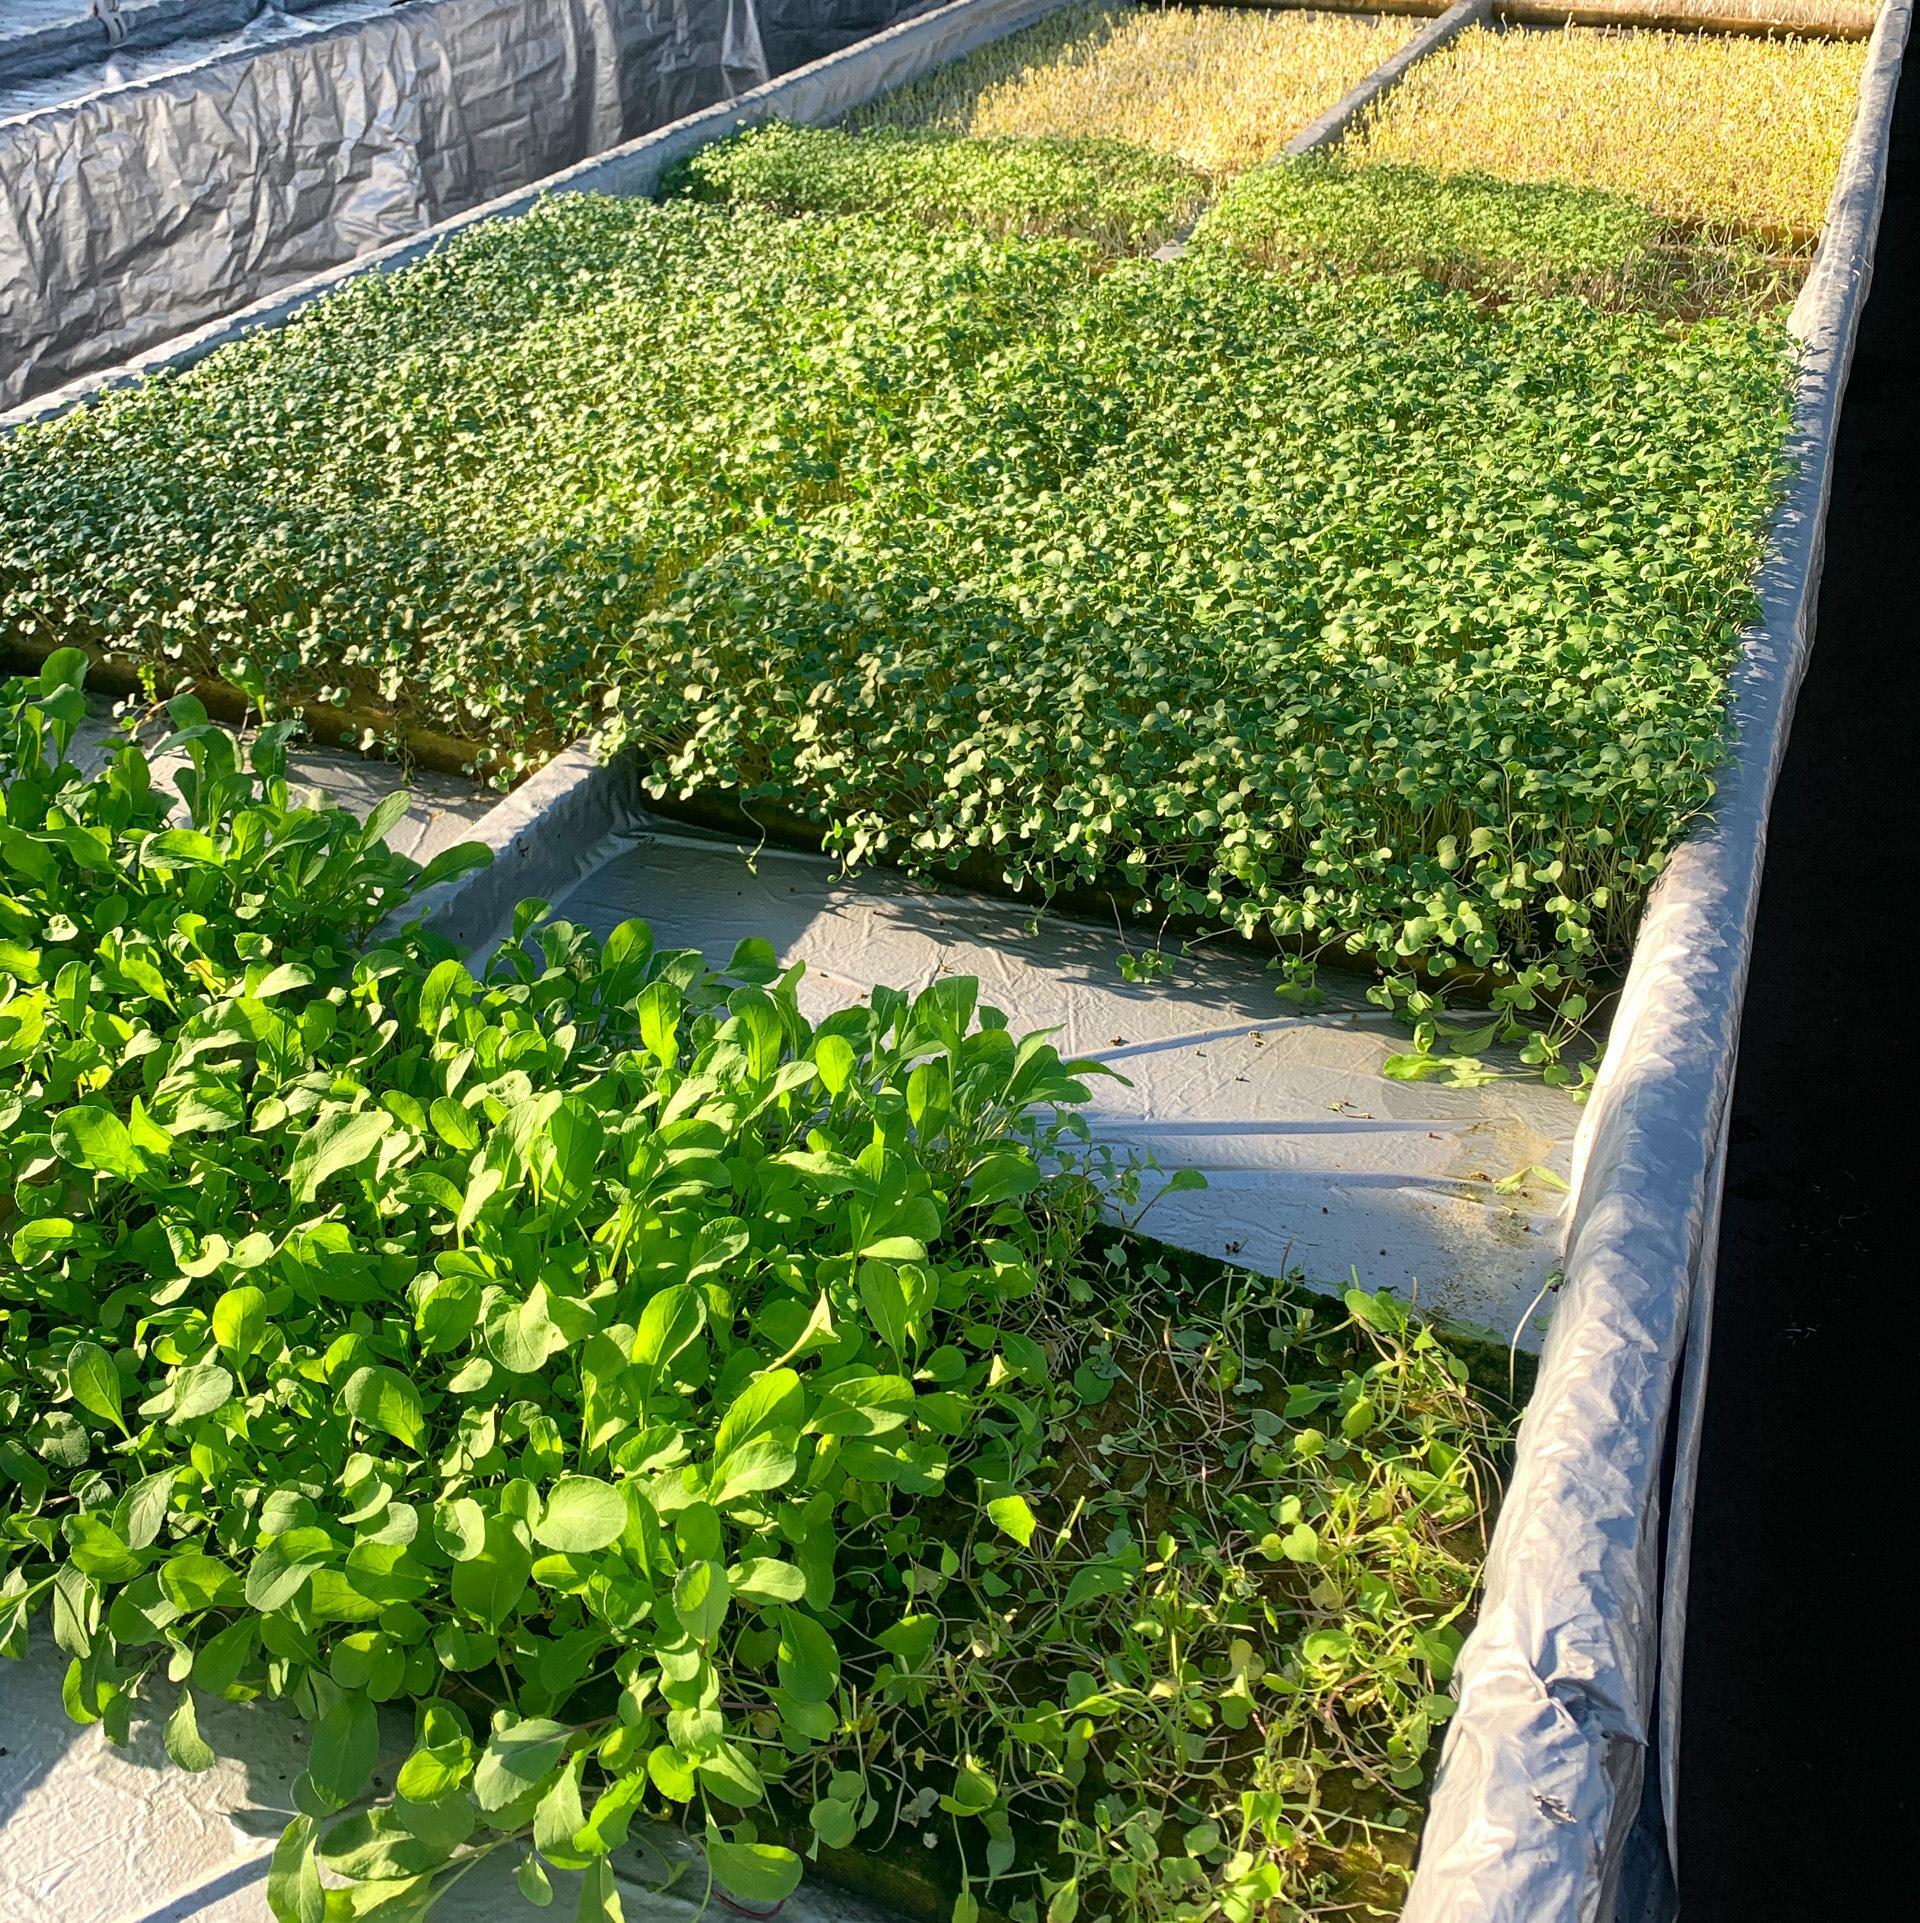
point(1793, 1776)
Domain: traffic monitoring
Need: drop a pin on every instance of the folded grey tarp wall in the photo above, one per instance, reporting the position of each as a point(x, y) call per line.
point(142, 197)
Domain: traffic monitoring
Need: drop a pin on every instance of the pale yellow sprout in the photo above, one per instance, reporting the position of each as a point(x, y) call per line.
point(1853, 18)
point(1220, 89)
point(1850, 19)
point(1731, 132)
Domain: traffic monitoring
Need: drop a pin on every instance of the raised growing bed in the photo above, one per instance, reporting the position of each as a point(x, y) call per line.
point(922, 502)
point(166, 162)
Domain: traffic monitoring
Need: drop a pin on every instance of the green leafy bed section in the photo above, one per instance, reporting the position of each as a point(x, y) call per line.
point(1125, 198)
point(1499, 240)
point(1340, 612)
point(675, 1412)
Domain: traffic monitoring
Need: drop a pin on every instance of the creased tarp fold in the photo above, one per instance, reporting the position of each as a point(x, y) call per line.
point(1540, 1780)
point(134, 214)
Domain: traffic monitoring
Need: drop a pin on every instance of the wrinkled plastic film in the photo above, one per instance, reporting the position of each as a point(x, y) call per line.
point(30, 85)
point(134, 214)
point(1541, 1773)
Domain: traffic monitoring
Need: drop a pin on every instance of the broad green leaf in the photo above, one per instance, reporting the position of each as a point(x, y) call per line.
point(143, 1510)
point(581, 1514)
point(757, 1873)
point(332, 1146)
point(218, 1661)
point(700, 1598)
point(834, 1822)
point(294, 1890)
point(240, 1320)
point(862, 1405)
point(92, 1137)
point(767, 1462)
point(809, 1664)
point(95, 1383)
point(199, 1391)
point(766, 1580)
point(516, 1759)
point(489, 1585)
point(671, 1773)
point(671, 1319)
point(522, 1336)
point(183, 1739)
point(559, 1818)
point(384, 1399)
point(345, 1746)
point(599, 1894)
point(283, 1566)
point(1011, 1516)
point(433, 1772)
point(771, 1400)
point(730, 1775)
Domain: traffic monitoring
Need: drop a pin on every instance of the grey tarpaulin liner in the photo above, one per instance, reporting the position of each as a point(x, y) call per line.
point(190, 34)
point(131, 215)
point(45, 37)
point(1541, 1775)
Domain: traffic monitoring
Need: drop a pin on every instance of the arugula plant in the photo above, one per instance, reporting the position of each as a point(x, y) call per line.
point(652, 1391)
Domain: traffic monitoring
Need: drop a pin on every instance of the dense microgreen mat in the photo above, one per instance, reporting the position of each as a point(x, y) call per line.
point(1126, 198)
point(1496, 239)
point(1739, 135)
point(1221, 88)
point(1343, 612)
point(672, 1410)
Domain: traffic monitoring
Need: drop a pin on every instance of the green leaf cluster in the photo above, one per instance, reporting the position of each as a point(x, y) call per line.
point(1124, 198)
point(684, 1411)
point(1497, 240)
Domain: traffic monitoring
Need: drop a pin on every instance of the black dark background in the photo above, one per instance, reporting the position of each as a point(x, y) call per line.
point(1797, 1753)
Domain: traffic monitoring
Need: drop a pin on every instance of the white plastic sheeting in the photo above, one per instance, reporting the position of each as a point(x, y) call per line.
point(92, 1834)
point(1541, 1777)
